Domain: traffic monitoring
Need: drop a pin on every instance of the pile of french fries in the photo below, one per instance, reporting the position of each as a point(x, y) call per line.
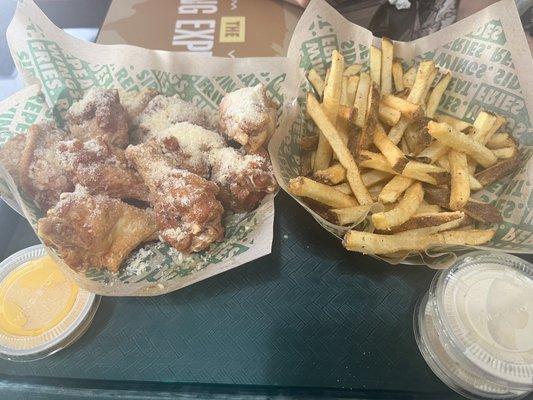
point(381, 140)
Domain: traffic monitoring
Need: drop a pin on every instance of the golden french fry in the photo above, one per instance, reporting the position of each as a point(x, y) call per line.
point(331, 175)
point(460, 184)
point(344, 188)
point(434, 151)
point(436, 95)
point(344, 92)
point(406, 208)
point(426, 208)
point(341, 150)
point(361, 99)
point(409, 77)
point(407, 109)
point(397, 75)
point(326, 78)
point(418, 221)
point(372, 243)
point(374, 176)
point(500, 140)
point(394, 189)
point(331, 103)
point(451, 137)
point(353, 69)
point(431, 79)
point(482, 212)
point(375, 65)
point(505, 152)
point(498, 171)
point(388, 115)
point(392, 153)
point(452, 121)
point(351, 89)
point(473, 182)
point(348, 216)
point(387, 54)
point(317, 81)
point(305, 187)
point(500, 121)
point(422, 82)
point(483, 125)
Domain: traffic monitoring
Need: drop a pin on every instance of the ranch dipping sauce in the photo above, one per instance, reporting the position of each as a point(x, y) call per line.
point(474, 327)
point(41, 309)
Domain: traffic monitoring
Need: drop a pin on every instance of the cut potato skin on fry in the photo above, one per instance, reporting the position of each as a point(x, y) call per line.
point(498, 171)
point(406, 207)
point(451, 137)
point(343, 154)
point(460, 184)
point(324, 194)
point(371, 243)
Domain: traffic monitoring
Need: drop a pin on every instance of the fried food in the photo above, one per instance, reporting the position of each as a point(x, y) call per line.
point(324, 194)
point(248, 116)
point(135, 102)
point(99, 114)
point(94, 230)
point(42, 176)
point(11, 154)
point(101, 168)
point(187, 212)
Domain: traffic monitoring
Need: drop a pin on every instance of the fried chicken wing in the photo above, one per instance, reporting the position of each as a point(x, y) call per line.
point(187, 211)
point(244, 180)
point(99, 114)
point(135, 102)
point(41, 173)
point(102, 168)
point(248, 116)
point(11, 154)
point(95, 230)
point(163, 112)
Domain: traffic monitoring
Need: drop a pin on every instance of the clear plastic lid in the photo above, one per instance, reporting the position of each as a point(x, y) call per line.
point(61, 332)
point(484, 307)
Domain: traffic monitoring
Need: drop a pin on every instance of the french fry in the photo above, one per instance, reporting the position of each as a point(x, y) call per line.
point(326, 78)
point(407, 109)
point(460, 184)
point(397, 131)
point(415, 169)
point(452, 121)
point(428, 220)
point(341, 150)
point(434, 151)
point(422, 81)
point(394, 189)
point(500, 140)
point(425, 94)
point(374, 176)
point(344, 94)
point(417, 137)
point(500, 121)
point(388, 115)
point(409, 77)
point(498, 171)
point(348, 216)
point(375, 65)
point(308, 143)
point(451, 137)
point(479, 211)
point(426, 208)
point(397, 75)
point(353, 69)
point(344, 188)
point(351, 89)
point(331, 175)
point(372, 243)
point(482, 125)
point(361, 99)
point(317, 81)
point(392, 153)
point(366, 137)
point(331, 103)
point(387, 54)
point(406, 207)
point(505, 152)
point(375, 191)
point(473, 182)
point(305, 187)
point(436, 95)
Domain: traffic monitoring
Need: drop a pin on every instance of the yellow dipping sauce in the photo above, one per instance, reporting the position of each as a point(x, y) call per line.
point(35, 298)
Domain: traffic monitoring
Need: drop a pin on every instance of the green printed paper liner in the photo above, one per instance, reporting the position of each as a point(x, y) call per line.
point(492, 70)
point(61, 68)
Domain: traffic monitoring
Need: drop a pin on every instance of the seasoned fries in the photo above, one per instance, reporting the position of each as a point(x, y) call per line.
point(417, 189)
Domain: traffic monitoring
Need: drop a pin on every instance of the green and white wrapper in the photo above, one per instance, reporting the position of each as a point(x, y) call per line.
point(492, 70)
point(58, 69)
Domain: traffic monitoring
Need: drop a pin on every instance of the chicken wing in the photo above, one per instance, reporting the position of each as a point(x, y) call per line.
point(99, 113)
point(243, 180)
point(95, 230)
point(42, 177)
point(135, 102)
point(11, 154)
point(162, 112)
point(248, 116)
point(102, 168)
point(187, 211)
